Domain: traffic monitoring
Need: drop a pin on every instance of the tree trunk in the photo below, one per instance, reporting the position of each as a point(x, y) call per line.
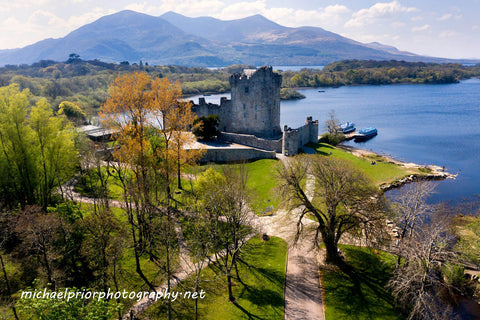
point(332, 249)
point(229, 282)
point(9, 292)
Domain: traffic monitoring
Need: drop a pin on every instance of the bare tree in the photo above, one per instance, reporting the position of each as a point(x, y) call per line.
point(343, 200)
point(410, 207)
point(332, 123)
point(418, 285)
point(39, 231)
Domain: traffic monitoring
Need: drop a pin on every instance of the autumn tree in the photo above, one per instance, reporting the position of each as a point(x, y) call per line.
point(150, 121)
point(339, 197)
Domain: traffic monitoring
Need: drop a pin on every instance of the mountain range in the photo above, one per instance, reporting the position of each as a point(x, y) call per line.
point(176, 39)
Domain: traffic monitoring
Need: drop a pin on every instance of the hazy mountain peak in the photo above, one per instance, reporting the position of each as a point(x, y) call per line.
point(173, 38)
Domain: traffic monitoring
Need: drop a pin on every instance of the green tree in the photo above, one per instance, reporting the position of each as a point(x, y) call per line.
point(72, 111)
point(206, 128)
point(57, 153)
point(18, 153)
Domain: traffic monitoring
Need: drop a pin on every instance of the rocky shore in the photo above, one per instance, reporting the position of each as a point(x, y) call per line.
point(430, 172)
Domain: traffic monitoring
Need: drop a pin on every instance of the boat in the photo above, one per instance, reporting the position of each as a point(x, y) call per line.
point(365, 134)
point(347, 127)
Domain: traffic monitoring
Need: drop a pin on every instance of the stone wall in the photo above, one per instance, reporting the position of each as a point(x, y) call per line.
point(236, 155)
point(253, 141)
point(223, 111)
point(294, 139)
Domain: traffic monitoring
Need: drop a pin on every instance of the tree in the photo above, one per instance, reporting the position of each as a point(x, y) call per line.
point(72, 111)
point(150, 121)
point(418, 284)
point(206, 128)
point(37, 150)
point(18, 154)
point(39, 232)
point(332, 124)
point(339, 197)
point(224, 199)
point(6, 233)
point(57, 152)
point(410, 207)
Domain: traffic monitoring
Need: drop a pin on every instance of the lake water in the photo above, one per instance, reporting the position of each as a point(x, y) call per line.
point(425, 124)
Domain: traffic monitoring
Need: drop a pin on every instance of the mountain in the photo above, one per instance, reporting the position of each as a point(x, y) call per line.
point(176, 39)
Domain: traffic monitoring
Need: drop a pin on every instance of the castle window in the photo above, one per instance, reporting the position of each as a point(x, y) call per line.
point(255, 116)
point(246, 89)
point(256, 108)
point(245, 115)
point(244, 106)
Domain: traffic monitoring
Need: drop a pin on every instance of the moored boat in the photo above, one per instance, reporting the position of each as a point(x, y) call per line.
point(347, 127)
point(366, 134)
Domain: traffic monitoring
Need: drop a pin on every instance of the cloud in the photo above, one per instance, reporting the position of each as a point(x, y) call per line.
point(421, 28)
point(446, 16)
point(377, 12)
point(192, 8)
point(44, 18)
point(448, 34)
point(243, 9)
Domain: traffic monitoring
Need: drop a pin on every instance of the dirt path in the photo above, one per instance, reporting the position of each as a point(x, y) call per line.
point(303, 294)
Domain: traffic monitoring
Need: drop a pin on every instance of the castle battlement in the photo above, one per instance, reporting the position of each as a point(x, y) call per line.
point(254, 111)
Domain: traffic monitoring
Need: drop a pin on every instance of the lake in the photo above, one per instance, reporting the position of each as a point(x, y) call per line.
point(425, 124)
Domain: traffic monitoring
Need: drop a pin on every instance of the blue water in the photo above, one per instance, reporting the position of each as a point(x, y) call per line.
point(424, 124)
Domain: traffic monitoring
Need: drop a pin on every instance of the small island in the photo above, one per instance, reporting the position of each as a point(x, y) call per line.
point(290, 94)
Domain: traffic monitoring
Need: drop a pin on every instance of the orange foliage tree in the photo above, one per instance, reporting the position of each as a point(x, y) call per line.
point(149, 121)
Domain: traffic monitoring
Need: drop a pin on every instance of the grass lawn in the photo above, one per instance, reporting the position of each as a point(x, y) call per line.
point(382, 172)
point(262, 179)
point(361, 293)
point(258, 296)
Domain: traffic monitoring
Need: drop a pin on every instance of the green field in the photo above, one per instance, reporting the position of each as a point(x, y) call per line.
point(259, 294)
point(360, 293)
point(382, 172)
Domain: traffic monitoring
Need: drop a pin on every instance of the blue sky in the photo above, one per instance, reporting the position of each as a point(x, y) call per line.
point(429, 27)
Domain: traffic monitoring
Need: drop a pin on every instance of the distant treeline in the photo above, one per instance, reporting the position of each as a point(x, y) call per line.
point(86, 82)
point(362, 72)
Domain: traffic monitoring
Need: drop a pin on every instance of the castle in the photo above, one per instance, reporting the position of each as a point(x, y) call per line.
point(252, 116)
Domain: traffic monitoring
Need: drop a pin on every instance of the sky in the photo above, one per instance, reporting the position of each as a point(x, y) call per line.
point(440, 28)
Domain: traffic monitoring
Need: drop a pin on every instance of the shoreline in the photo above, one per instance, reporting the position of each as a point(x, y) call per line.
point(433, 172)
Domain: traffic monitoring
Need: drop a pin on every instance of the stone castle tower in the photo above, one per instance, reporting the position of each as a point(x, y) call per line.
point(252, 116)
point(255, 105)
